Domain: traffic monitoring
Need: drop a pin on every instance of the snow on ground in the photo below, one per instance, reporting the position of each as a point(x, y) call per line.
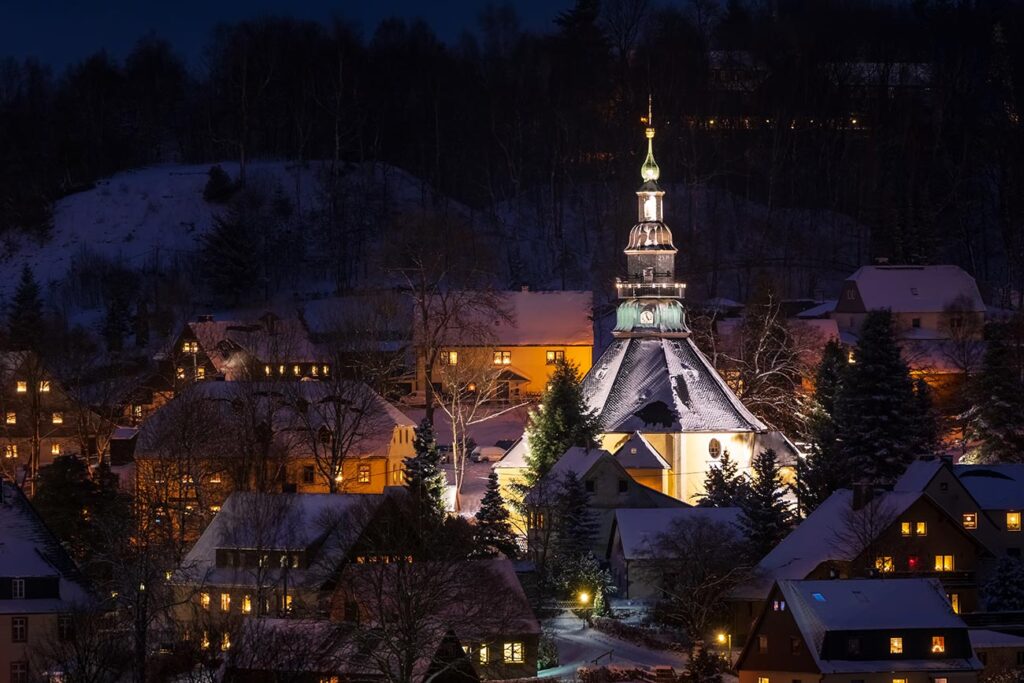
point(579, 646)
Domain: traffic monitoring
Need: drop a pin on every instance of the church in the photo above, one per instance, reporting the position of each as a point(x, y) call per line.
point(664, 411)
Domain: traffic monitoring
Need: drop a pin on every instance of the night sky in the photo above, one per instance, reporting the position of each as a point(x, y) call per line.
point(60, 32)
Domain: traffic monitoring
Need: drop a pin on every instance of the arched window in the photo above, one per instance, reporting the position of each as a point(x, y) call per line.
point(715, 448)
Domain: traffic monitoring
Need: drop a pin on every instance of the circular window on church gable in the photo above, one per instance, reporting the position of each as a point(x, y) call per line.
point(715, 448)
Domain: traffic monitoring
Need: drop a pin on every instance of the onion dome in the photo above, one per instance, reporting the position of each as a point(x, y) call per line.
point(650, 236)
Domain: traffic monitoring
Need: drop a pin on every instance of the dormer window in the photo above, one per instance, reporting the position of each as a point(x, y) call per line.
point(18, 589)
point(938, 645)
point(190, 347)
point(913, 291)
point(970, 520)
point(896, 646)
point(21, 387)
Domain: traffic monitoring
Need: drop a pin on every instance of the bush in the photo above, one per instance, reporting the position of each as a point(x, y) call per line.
point(219, 188)
point(547, 652)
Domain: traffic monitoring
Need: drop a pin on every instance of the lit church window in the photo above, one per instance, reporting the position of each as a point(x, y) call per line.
point(22, 387)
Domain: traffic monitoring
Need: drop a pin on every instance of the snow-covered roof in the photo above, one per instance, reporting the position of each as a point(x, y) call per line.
point(326, 524)
point(918, 475)
point(822, 537)
point(560, 318)
point(985, 639)
point(283, 340)
point(819, 311)
point(916, 289)
point(819, 607)
point(663, 386)
point(640, 528)
point(637, 453)
point(515, 456)
point(29, 550)
point(578, 460)
point(940, 356)
point(995, 487)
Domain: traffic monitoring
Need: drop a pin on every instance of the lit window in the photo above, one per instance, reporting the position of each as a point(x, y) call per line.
point(554, 357)
point(22, 387)
point(1013, 521)
point(763, 679)
point(970, 520)
point(12, 418)
point(296, 370)
point(10, 450)
point(225, 642)
point(905, 528)
point(938, 645)
point(204, 600)
point(313, 370)
point(286, 603)
point(55, 448)
point(225, 602)
point(899, 680)
point(651, 204)
point(179, 373)
point(954, 602)
point(215, 508)
point(896, 646)
point(267, 370)
point(204, 642)
point(363, 476)
point(447, 358)
point(514, 653)
point(779, 606)
point(18, 589)
point(884, 564)
point(921, 528)
point(44, 386)
point(246, 604)
point(913, 562)
point(280, 369)
point(482, 654)
point(326, 370)
point(200, 372)
point(502, 357)
point(57, 418)
point(190, 347)
point(944, 563)
point(215, 478)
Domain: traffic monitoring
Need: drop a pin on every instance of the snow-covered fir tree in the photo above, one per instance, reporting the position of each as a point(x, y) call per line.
point(1004, 591)
point(25, 315)
point(724, 486)
point(562, 420)
point(823, 470)
point(575, 525)
point(424, 477)
point(493, 534)
point(999, 397)
point(765, 516)
point(877, 424)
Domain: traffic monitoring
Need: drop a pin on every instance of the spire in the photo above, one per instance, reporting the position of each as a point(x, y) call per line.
point(650, 171)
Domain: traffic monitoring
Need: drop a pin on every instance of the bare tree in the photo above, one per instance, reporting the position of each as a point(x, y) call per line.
point(859, 539)
point(84, 646)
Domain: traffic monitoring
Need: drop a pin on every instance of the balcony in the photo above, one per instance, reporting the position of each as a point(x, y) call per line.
point(637, 289)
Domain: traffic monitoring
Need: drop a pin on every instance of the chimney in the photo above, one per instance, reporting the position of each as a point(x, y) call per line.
point(863, 492)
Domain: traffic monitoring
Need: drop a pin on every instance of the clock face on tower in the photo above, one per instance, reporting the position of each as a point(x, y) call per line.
point(647, 317)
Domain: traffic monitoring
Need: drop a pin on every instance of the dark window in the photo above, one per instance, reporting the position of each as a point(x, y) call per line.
point(915, 322)
point(65, 628)
point(1020, 657)
point(19, 672)
point(853, 646)
point(795, 646)
point(308, 474)
point(623, 486)
point(589, 486)
point(762, 644)
point(19, 629)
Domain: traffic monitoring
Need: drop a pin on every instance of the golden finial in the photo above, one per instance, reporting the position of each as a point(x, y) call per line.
point(650, 171)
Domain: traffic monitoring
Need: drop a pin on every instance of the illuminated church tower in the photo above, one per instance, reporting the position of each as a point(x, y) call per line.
point(663, 409)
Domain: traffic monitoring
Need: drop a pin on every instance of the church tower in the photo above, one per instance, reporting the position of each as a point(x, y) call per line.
point(650, 296)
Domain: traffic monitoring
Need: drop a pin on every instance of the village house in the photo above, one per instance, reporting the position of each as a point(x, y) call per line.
point(871, 630)
point(40, 588)
point(524, 337)
point(1001, 654)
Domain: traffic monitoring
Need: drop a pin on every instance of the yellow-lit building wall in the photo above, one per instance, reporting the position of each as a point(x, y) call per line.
point(531, 362)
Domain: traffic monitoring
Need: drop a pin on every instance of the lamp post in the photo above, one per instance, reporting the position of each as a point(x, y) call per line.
point(723, 639)
point(584, 599)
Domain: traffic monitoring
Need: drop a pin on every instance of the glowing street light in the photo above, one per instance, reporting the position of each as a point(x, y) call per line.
point(584, 598)
point(723, 639)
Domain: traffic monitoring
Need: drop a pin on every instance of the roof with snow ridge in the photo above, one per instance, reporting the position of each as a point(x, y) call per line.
point(663, 386)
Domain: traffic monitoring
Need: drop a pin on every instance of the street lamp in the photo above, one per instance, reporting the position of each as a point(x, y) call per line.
point(724, 638)
point(583, 597)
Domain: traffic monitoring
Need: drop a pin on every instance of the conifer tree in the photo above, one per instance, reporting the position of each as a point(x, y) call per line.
point(562, 420)
point(999, 398)
point(25, 316)
point(1004, 591)
point(724, 486)
point(575, 526)
point(230, 260)
point(424, 477)
point(765, 518)
point(875, 407)
point(493, 533)
point(823, 471)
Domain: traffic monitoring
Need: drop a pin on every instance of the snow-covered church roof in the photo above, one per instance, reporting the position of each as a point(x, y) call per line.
point(662, 385)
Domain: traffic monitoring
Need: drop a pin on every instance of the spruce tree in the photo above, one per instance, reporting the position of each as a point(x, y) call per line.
point(724, 486)
point(999, 398)
point(25, 316)
point(823, 471)
point(493, 533)
point(875, 407)
point(230, 259)
point(562, 420)
point(575, 526)
point(219, 187)
point(424, 477)
point(765, 516)
point(1004, 591)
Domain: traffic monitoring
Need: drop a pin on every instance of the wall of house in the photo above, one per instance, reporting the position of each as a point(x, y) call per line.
point(694, 459)
point(530, 361)
point(786, 648)
point(888, 677)
point(998, 660)
point(42, 629)
point(949, 494)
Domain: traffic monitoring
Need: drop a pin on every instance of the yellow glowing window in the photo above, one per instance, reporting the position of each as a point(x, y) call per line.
point(44, 386)
point(899, 680)
point(514, 653)
point(482, 653)
point(204, 642)
point(327, 370)
point(10, 450)
point(12, 418)
point(502, 357)
point(944, 563)
point(280, 369)
point(21, 387)
point(1013, 521)
point(296, 370)
point(896, 646)
point(267, 370)
point(905, 528)
point(970, 520)
point(921, 528)
point(286, 603)
point(225, 642)
point(938, 645)
point(204, 600)
point(763, 679)
point(55, 449)
point(553, 357)
point(363, 476)
point(179, 373)
point(200, 372)
point(225, 602)
point(57, 418)
point(190, 347)
point(954, 602)
point(313, 370)
point(884, 563)
point(246, 604)
point(214, 478)
point(449, 358)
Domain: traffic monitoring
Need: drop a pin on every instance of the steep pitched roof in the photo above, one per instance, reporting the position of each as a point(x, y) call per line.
point(269, 340)
point(916, 289)
point(29, 549)
point(640, 528)
point(638, 453)
point(918, 475)
point(995, 487)
point(663, 386)
point(871, 604)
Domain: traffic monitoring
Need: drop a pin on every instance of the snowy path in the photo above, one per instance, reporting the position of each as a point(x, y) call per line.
point(579, 646)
